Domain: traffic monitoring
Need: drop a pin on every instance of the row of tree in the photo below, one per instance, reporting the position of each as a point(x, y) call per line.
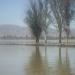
point(39, 17)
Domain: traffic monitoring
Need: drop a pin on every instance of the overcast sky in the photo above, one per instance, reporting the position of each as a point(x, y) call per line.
point(13, 12)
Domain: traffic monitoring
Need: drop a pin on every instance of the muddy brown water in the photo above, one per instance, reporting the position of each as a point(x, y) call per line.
point(29, 60)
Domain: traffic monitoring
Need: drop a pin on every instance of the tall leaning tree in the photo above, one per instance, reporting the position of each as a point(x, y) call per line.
point(57, 9)
point(68, 15)
point(63, 15)
point(47, 19)
point(34, 19)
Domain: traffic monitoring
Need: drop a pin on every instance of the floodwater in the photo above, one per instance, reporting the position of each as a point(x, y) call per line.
point(31, 60)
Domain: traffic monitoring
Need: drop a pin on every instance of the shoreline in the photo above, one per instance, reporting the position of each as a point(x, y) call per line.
point(55, 45)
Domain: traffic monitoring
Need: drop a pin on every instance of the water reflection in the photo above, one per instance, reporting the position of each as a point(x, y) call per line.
point(63, 68)
point(36, 65)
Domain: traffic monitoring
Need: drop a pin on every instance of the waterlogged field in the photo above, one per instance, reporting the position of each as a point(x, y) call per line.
point(31, 60)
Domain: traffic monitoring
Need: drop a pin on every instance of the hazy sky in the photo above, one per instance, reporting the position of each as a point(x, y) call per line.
point(13, 12)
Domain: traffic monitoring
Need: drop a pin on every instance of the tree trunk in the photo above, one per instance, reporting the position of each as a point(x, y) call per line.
point(67, 39)
point(60, 32)
point(37, 41)
point(67, 48)
point(45, 41)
